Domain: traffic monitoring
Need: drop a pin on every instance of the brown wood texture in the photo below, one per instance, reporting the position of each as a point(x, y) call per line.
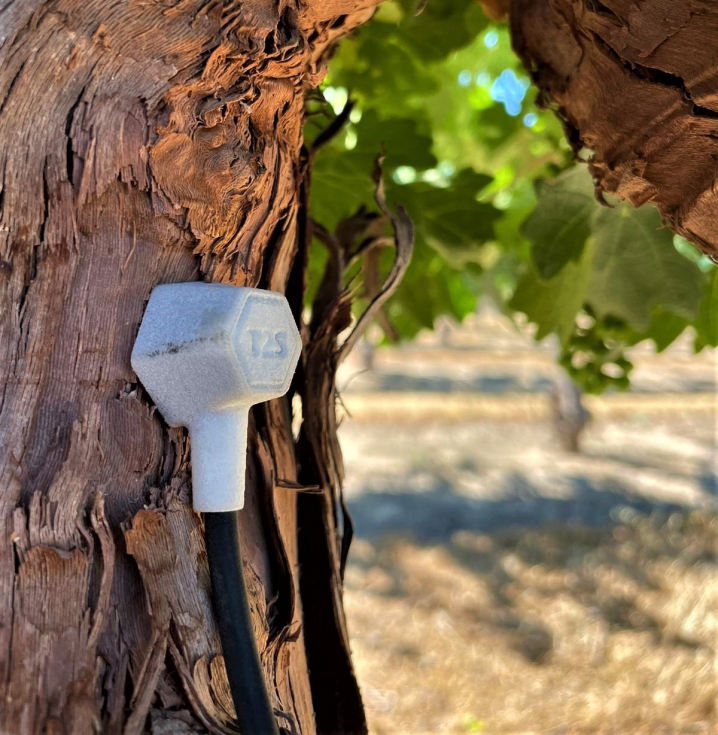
point(636, 83)
point(146, 142)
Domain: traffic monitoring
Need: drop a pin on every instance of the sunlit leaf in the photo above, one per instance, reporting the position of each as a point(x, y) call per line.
point(637, 268)
point(560, 227)
point(707, 322)
point(552, 305)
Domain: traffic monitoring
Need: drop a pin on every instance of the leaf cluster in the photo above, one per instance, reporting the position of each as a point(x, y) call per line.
point(499, 208)
point(604, 278)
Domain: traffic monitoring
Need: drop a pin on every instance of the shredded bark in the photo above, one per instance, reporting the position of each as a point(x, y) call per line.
point(325, 527)
point(143, 143)
point(636, 83)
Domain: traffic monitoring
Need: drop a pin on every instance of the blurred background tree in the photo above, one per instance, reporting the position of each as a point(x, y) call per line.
point(501, 206)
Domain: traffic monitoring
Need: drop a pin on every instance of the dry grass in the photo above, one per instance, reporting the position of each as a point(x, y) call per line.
point(408, 408)
point(559, 630)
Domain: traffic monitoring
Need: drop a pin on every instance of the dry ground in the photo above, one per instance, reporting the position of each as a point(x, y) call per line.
point(500, 585)
point(549, 631)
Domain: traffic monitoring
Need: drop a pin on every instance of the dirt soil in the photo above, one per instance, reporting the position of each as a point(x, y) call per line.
point(501, 585)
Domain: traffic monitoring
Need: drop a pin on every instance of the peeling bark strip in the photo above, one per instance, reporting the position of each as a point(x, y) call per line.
point(325, 527)
point(141, 143)
point(636, 82)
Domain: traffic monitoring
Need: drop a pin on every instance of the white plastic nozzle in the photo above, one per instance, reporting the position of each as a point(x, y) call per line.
point(205, 353)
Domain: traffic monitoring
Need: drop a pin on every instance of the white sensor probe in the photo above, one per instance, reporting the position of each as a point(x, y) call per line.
point(205, 353)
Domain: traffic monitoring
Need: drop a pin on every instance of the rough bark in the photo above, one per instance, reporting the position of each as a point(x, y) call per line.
point(145, 142)
point(636, 82)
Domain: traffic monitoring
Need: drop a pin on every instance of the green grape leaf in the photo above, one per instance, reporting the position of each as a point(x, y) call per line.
point(341, 178)
point(379, 68)
point(561, 223)
point(497, 127)
point(440, 27)
point(664, 330)
point(706, 324)
point(430, 288)
point(450, 219)
point(552, 305)
point(636, 268)
point(402, 139)
point(341, 184)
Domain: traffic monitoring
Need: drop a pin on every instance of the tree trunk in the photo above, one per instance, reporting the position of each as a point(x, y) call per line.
point(146, 142)
point(636, 83)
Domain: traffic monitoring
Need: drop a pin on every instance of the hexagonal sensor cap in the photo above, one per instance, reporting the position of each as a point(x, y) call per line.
point(205, 353)
point(267, 342)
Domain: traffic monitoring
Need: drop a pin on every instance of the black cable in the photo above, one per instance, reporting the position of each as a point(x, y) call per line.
point(229, 596)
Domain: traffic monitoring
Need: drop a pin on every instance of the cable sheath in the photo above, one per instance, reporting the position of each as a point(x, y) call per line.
point(229, 596)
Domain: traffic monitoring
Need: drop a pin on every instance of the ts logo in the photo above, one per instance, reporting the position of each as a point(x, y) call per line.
point(266, 343)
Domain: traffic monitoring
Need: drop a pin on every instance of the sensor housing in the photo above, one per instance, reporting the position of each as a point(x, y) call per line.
point(205, 353)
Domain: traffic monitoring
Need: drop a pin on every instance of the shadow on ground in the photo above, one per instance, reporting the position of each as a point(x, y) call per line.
point(570, 540)
point(434, 515)
point(533, 629)
point(497, 384)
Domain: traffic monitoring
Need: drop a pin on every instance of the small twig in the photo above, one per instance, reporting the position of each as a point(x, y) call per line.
point(340, 398)
point(373, 286)
point(369, 244)
point(404, 239)
point(325, 237)
point(333, 129)
point(298, 487)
